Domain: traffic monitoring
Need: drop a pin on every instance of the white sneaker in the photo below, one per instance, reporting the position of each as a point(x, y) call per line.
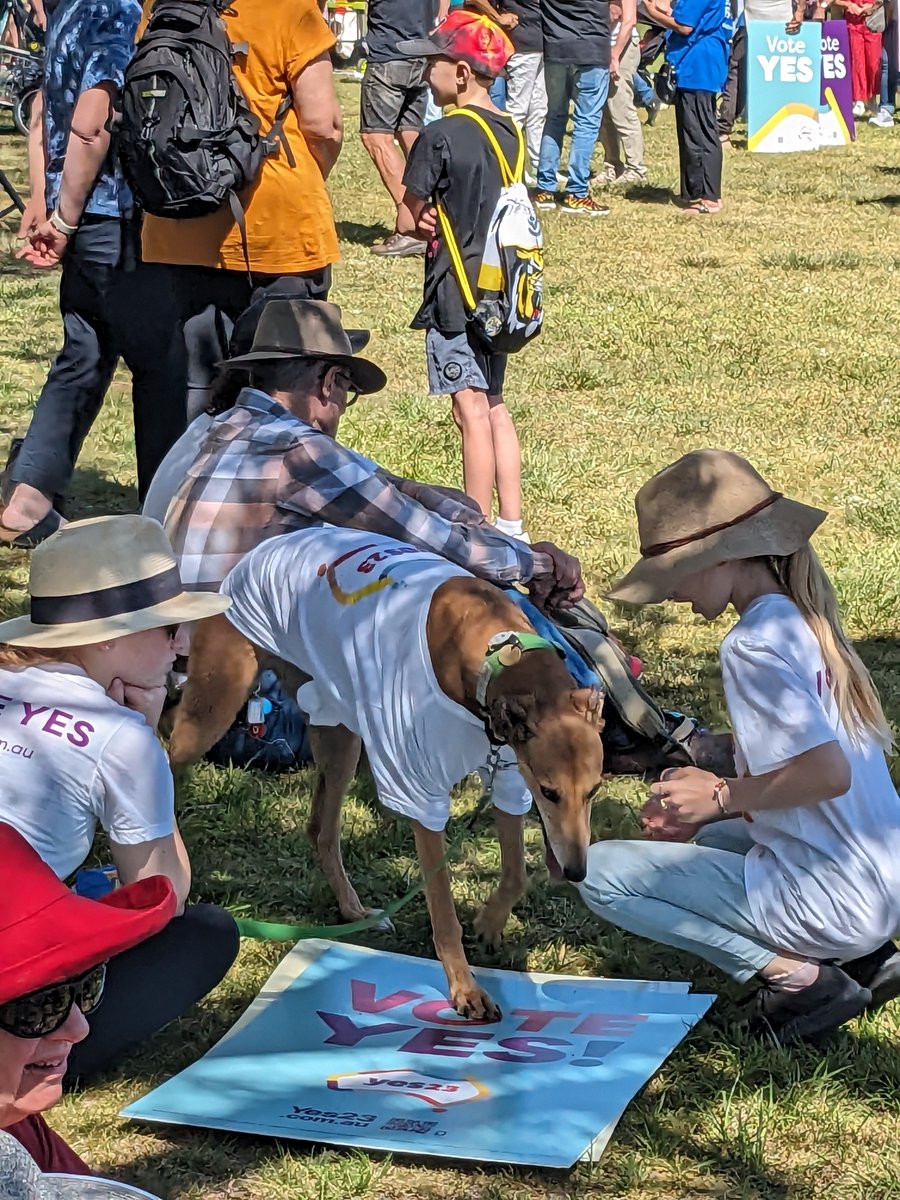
point(883, 119)
point(859, 108)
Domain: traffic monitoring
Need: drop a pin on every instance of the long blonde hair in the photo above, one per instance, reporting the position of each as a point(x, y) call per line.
point(803, 578)
point(16, 657)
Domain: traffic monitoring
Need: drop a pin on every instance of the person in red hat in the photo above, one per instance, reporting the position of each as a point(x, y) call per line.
point(54, 946)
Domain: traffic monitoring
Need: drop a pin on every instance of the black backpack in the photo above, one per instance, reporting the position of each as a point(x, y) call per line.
point(187, 139)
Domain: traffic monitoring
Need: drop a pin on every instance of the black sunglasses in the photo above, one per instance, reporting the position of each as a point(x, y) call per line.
point(351, 393)
point(42, 1012)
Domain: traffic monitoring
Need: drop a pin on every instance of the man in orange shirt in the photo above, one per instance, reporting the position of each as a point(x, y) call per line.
point(194, 281)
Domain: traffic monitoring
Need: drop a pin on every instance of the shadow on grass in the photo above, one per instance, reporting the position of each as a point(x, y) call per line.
point(362, 235)
point(648, 193)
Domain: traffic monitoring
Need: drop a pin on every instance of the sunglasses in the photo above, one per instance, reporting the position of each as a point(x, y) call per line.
point(350, 392)
point(42, 1012)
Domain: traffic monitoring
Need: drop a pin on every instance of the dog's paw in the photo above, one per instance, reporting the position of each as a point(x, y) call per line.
point(489, 925)
point(471, 1002)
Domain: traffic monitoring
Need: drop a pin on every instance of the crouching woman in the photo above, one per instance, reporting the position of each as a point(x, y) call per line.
point(82, 683)
point(791, 870)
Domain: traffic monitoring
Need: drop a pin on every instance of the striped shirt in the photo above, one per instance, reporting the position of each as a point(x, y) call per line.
point(261, 471)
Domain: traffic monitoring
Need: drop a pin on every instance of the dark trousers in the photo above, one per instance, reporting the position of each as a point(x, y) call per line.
point(94, 273)
point(734, 98)
point(699, 148)
point(155, 982)
point(180, 321)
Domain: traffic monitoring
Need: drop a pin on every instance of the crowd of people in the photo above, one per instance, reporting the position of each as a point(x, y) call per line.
point(785, 872)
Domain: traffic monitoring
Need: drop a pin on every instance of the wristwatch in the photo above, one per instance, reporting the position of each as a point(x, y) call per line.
point(59, 224)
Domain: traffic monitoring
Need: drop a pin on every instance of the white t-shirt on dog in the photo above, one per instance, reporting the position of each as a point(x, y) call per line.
point(71, 759)
point(822, 879)
point(350, 609)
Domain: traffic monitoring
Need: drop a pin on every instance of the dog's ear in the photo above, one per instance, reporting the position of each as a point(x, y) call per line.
point(588, 703)
point(512, 718)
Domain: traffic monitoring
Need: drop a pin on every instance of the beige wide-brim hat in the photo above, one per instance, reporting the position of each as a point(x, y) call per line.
point(105, 578)
point(709, 507)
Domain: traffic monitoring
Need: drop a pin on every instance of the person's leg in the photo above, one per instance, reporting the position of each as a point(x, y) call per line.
point(526, 99)
point(683, 895)
point(609, 138)
point(620, 107)
point(76, 383)
point(855, 31)
point(382, 96)
point(710, 145)
point(643, 91)
point(873, 63)
point(154, 983)
point(507, 452)
point(591, 89)
point(454, 370)
point(688, 166)
point(557, 77)
point(729, 106)
point(498, 92)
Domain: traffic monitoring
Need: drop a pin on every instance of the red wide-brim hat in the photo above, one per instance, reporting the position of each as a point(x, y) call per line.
point(48, 934)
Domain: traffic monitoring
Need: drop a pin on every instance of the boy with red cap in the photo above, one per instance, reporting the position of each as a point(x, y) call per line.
point(54, 946)
point(454, 164)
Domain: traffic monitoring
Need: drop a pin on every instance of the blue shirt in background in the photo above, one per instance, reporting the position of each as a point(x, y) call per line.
point(89, 42)
point(700, 59)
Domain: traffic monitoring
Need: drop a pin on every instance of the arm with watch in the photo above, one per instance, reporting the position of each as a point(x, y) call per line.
point(690, 797)
point(86, 152)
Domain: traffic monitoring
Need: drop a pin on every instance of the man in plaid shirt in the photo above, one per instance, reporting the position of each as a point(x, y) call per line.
point(271, 464)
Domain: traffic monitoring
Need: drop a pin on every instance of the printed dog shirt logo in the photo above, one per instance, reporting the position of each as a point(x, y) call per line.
point(438, 1094)
point(366, 567)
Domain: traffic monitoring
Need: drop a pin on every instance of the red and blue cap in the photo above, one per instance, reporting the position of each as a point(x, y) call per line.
point(466, 37)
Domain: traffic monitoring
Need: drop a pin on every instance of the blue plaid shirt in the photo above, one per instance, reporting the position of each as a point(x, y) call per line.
point(89, 42)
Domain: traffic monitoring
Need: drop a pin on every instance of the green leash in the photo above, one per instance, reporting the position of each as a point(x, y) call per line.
point(269, 931)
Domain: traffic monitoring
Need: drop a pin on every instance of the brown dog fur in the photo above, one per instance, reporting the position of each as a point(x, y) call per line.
point(553, 727)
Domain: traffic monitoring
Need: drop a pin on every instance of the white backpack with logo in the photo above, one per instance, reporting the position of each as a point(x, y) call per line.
point(506, 310)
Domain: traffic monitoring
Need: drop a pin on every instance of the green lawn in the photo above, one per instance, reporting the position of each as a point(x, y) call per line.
point(770, 331)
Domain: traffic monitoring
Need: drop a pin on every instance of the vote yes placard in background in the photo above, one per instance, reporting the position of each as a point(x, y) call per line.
point(784, 74)
point(360, 1048)
point(837, 126)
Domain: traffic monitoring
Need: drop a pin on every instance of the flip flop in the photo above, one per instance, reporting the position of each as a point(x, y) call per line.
point(29, 538)
point(701, 209)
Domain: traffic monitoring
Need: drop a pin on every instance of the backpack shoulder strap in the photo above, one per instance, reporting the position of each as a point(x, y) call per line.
point(508, 173)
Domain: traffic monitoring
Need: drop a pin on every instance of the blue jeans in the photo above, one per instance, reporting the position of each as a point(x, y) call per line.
point(889, 67)
point(588, 88)
point(643, 90)
point(689, 895)
point(498, 92)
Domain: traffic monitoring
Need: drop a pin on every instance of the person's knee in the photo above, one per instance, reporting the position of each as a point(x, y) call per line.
point(214, 932)
point(377, 144)
point(470, 408)
point(614, 869)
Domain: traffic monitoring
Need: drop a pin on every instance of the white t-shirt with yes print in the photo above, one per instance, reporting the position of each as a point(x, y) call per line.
point(72, 759)
point(822, 879)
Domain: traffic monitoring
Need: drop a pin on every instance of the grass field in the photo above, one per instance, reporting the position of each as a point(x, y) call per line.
point(770, 331)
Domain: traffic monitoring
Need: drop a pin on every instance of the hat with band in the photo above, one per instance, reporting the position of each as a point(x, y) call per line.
point(466, 37)
point(105, 578)
point(49, 935)
point(710, 506)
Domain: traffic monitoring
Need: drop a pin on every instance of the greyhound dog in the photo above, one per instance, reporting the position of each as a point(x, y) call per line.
point(306, 605)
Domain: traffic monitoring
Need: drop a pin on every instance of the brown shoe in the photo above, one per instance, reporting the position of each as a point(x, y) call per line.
point(399, 245)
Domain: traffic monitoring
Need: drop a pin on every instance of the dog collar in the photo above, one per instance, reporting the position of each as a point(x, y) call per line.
point(503, 650)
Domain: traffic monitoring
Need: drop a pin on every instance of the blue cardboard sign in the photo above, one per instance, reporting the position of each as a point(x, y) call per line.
point(783, 87)
point(360, 1048)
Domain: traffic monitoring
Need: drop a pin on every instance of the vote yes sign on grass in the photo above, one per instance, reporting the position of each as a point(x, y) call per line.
point(361, 1048)
point(783, 87)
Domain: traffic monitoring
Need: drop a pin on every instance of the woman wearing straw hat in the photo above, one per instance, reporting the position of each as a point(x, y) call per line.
point(82, 683)
point(794, 865)
point(54, 948)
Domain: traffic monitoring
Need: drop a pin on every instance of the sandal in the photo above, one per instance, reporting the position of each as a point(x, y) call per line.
point(701, 209)
point(29, 538)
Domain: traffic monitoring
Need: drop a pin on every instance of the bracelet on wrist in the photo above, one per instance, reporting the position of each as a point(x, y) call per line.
point(59, 224)
point(720, 792)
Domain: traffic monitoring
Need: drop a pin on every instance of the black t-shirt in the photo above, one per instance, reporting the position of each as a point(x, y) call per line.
point(576, 32)
point(391, 21)
point(453, 162)
point(528, 35)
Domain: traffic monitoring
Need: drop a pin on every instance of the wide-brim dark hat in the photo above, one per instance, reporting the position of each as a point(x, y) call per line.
point(311, 329)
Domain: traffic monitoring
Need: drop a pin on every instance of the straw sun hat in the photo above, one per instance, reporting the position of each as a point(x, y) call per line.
point(105, 578)
point(709, 507)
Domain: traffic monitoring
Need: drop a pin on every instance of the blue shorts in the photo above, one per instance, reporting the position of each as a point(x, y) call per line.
point(455, 363)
